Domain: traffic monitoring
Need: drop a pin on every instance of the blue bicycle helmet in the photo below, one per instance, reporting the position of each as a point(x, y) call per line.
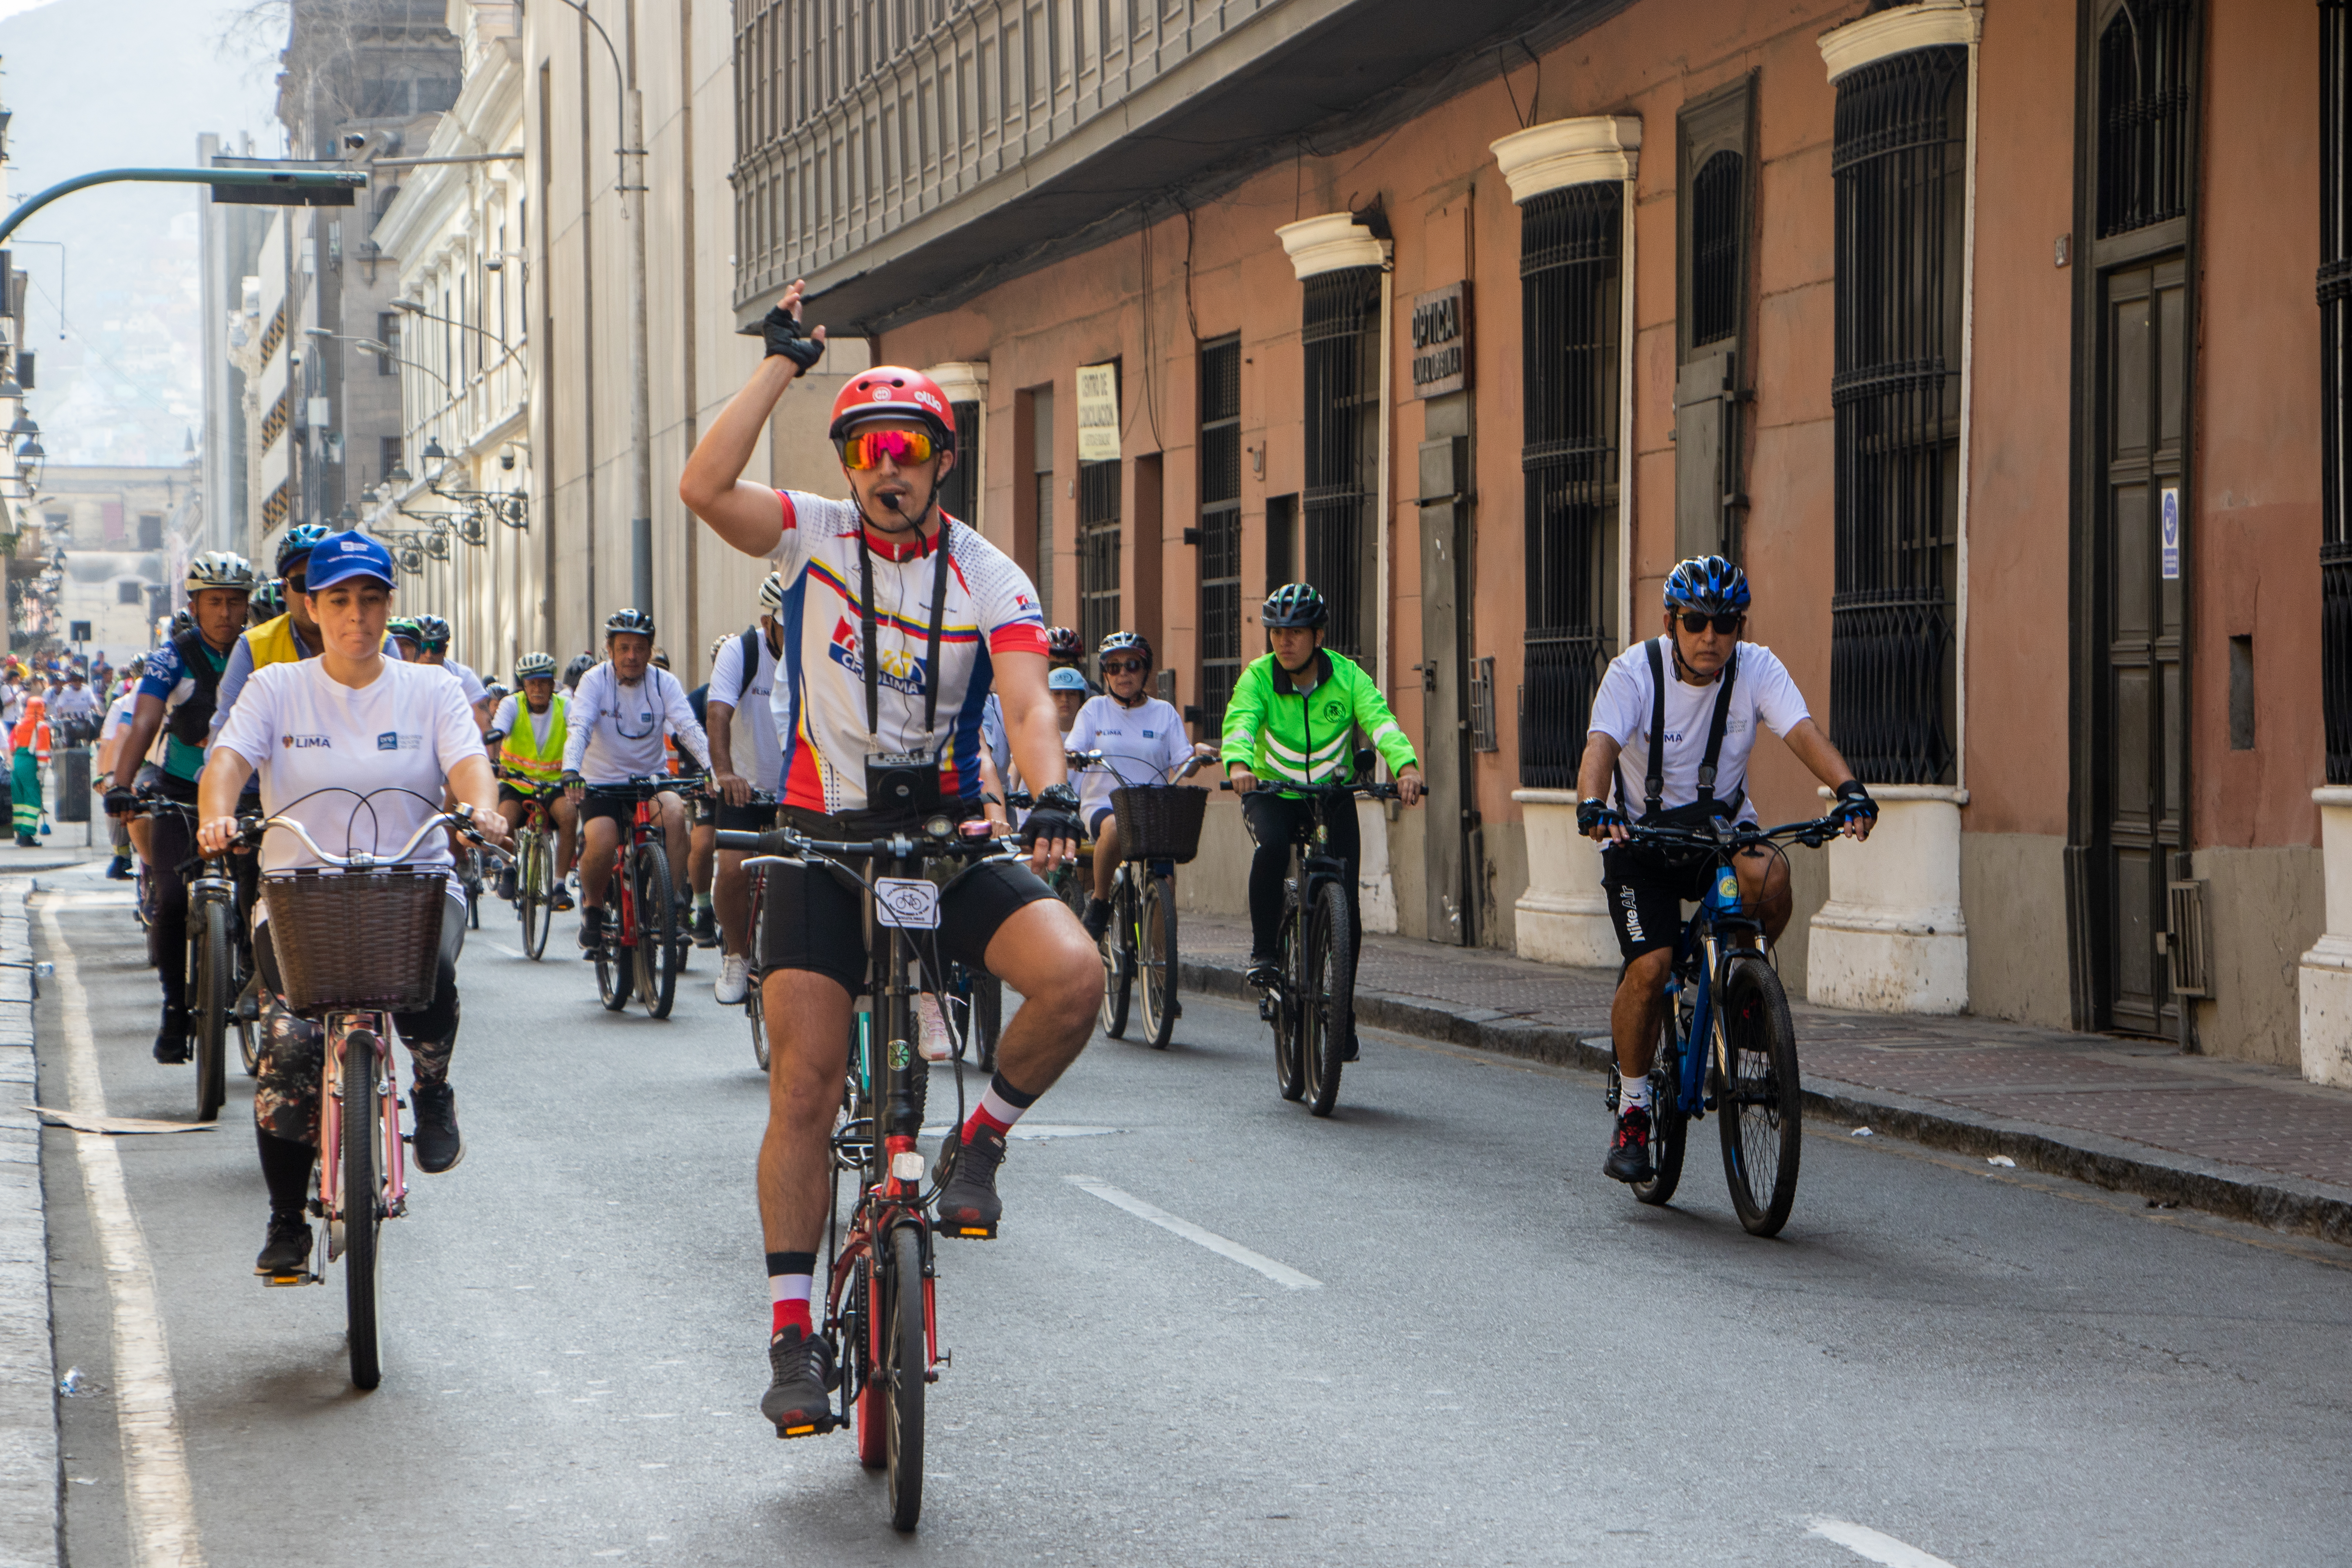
point(294, 550)
point(1294, 604)
point(1708, 585)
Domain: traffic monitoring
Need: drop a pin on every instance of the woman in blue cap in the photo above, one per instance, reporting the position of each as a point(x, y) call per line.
point(322, 733)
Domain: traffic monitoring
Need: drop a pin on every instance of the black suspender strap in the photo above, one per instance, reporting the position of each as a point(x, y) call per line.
point(865, 621)
point(1715, 730)
point(1654, 787)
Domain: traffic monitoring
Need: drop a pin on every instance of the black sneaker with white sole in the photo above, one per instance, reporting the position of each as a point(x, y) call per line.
point(1629, 1150)
point(286, 1250)
point(592, 930)
point(969, 1207)
point(802, 1379)
point(437, 1143)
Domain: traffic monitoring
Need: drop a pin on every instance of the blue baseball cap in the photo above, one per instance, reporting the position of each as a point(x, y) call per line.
point(339, 557)
point(1066, 680)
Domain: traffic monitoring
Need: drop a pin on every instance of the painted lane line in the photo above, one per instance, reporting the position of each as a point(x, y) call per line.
point(1865, 1542)
point(156, 1492)
point(1043, 1131)
point(1282, 1274)
point(502, 947)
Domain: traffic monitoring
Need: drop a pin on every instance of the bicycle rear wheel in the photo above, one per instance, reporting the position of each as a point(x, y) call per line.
point(362, 1216)
point(215, 993)
point(1280, 1007)
point(905, 1361)
point(1118, 951)
point(1328, 998)
point(1760, 1112)
point(617, 964)
point(1669, 1128)
point(658, 933)
point(1156, 960)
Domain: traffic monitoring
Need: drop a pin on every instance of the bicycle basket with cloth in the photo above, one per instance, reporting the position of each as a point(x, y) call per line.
point(1160, 822)
point(363, 940)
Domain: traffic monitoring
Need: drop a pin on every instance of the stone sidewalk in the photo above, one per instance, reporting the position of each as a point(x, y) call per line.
point(29, 1410)
point(2250, 1141)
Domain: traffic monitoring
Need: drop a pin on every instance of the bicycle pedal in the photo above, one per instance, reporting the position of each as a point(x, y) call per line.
point(966, 1232)
point(811, 1429)
point(302, 1279)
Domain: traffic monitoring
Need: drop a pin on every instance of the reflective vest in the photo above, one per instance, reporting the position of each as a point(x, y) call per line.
point(521, 757)
point(272, 642)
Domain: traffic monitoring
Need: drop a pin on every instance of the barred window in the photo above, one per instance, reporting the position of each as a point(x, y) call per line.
point(1220, 531)
point(1569, 280)
point(1341, 338)
point(1717, 228)
point(2335, 379)
point(1099, 550)
point(957, 496)
point(1897, 161)
point(2144, 97)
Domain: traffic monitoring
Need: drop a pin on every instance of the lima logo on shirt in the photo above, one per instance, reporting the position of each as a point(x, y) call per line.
point(305, 742)
point(900, 671)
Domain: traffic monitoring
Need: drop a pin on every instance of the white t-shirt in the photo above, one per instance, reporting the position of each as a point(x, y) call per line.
point(469, 682)
point(306, 732)
point(759, 755)
point(1760, 693)
point(1140, 745)
point(616, 730)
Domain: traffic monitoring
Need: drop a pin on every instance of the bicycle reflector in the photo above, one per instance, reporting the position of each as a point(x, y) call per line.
point(907, 1166)
point(865, 449)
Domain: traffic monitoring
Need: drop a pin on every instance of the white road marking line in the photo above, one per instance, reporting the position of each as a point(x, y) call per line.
point(156, 1492)
point(1041, 1133)
point(1865, 1542)
point(1282, 1274)
point(502, 947)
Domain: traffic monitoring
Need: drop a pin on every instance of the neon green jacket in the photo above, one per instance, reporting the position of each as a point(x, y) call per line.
point(1279, 734)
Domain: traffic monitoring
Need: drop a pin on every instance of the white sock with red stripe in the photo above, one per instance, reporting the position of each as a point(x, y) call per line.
point(999, 1108)
point(791, 1276)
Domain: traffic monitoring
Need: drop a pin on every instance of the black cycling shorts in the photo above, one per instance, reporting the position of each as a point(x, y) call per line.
point(1646, 890)
point(808, 920)
point(738, 818)
point(617, 809)
point(508, 792)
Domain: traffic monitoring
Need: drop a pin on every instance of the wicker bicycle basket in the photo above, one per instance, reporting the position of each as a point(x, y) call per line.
point(357, 941)
point(1160, 822)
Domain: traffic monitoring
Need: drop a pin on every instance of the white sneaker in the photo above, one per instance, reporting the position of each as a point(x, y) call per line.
point(732, 980)
point(935, 1045)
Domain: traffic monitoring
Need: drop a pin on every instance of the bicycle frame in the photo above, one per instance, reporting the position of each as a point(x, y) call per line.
point(334, 1201)
point(1721, 913)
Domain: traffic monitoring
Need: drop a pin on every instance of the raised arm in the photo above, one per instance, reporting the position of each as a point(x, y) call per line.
point(745, 514)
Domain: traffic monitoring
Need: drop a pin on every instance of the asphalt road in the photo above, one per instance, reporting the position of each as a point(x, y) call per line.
point(1498, 1357)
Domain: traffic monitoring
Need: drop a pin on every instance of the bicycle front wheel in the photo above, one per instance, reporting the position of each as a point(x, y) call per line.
point(906, 1362)
point(1328, 999)
point(755, 1009)
point(657, 934)
point(531, 881)
point(214, 996)
point(1760, 1112)
point(1156, 960)
point(1117, 949)
point(615, 963)
point(362, 1213)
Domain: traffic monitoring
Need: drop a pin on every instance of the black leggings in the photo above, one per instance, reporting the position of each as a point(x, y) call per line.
point(1276, 822)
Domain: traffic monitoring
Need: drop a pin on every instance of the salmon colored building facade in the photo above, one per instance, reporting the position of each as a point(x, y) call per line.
point(1995, 342)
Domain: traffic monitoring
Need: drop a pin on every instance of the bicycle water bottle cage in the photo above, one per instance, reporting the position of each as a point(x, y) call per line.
point(901, 782)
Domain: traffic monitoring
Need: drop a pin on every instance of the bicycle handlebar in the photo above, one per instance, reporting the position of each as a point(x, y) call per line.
point(1330, 790)
point(251, 829)
point(1811, 833)
point(790, 844)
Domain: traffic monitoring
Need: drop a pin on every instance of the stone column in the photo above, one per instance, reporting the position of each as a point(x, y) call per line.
point(2326, 976)
point(1562, 917)
point(1891, 939)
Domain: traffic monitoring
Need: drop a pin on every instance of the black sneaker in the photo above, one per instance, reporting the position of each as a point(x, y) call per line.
point(1097, 919)
point(705, 926)
point(507, 883)
point(968, 1205)
point(592, 930)
point(802, 1376)
point(439, 1147)
point(561, 899)
point(286, 1250)
point(1265, 971)
point(171, 1040)
point(118, 869)
point(1629, 1153)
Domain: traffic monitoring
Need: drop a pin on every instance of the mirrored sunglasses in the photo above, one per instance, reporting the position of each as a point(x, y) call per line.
point(865, 449)
point(1694, 623)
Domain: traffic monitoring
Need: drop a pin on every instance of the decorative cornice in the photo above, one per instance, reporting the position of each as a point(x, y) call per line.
point(964, 381)
point(1564, 153)
point(1330, 243)
point(1924, 26)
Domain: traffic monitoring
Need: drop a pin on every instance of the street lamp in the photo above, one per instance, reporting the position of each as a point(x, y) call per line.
point(416, 308)
point(29, 458)
point(370, 346)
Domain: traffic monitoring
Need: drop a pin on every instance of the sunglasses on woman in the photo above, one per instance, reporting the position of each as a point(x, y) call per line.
point(866, 448)
point(1694, 623)
point(1124, 667)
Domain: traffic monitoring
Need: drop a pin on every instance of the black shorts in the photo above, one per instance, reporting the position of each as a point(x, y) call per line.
point(508, 792)
point(738, 818)
point(1646, 892)
point(617, 809)
point(808, 920)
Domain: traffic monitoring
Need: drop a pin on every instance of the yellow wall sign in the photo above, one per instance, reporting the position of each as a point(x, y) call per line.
point(1099, 412)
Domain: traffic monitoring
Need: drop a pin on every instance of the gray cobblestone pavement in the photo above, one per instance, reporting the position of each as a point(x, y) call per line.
point(2237, 1138)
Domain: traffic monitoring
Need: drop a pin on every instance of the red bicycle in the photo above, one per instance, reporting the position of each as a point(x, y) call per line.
point(643, 946)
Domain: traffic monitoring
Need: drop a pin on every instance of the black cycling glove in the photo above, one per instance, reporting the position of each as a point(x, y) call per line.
point(781, 332)
point(120, 800)
point(1854, 803)
point(1055, 815)
point(1593, 814)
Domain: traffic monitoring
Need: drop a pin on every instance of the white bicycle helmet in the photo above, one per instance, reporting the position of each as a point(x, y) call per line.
point(535, 667)
point(771, 593)
point(220, 569)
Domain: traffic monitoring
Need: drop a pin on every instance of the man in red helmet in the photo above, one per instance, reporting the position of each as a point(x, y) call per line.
point(899, 623)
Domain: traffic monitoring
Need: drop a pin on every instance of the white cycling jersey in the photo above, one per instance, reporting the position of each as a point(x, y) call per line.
point(616, 730)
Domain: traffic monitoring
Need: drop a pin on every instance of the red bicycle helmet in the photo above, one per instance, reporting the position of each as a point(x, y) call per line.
point(894, 391)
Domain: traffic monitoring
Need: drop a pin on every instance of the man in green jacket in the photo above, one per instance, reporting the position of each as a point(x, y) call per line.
point(1293, 718)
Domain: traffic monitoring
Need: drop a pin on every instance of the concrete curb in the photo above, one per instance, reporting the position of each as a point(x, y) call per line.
point(2237, 1192)
point(29, 1476)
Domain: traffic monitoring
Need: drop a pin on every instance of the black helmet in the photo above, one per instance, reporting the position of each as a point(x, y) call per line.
point(1062, 643)
point(268, 601)
point(1294, 604)
point(1708, 585)
point(1124, 642)
point(433, 631)
point(629, 621)
point(294, 550)
point(576, 668)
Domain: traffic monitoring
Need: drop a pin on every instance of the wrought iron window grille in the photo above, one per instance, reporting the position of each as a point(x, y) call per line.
point(1340, 337)
point(1098, 553)
point(2335, 287)
point(2144, 52)
point(1219, 534)
point(1482, 705)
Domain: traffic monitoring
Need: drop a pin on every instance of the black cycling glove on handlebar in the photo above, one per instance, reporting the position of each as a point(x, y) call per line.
point(1593, 814)
point(1854, 803)
point(1054, 816)
point(120, 800)
point(781, 330)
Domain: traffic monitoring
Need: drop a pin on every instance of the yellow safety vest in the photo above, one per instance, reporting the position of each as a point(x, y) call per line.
point(521, 757)
point(272, 642)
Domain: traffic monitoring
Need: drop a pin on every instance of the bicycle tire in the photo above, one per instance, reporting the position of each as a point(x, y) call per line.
point(615, 964)
point(532, 907)
point(1669, 1128)
point(1290, 1070)
point(658, 938)
point(756, 1009)
point(1760, 1112)
point(905, 1361)
point(248, 1048)
point(1118, 961)
point(1156, 960)
point(362, 1292)
point(857, 1351)
point(1328, 998)
point(208, 943)
point(987, 1020)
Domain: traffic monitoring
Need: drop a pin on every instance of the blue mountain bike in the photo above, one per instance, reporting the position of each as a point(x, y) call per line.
point(1727, 1044)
